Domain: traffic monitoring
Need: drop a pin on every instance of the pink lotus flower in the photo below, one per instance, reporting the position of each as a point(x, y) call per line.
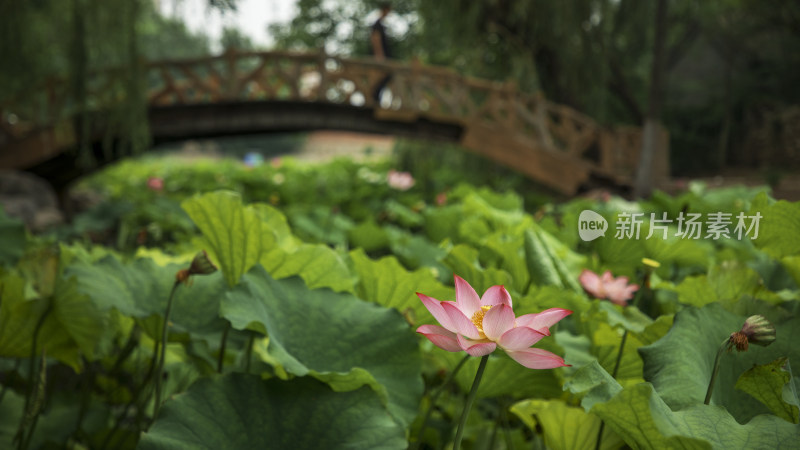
point(155, 184)
point(478, 325)
point(402, 181)
point(607, 287)
point(441, 198)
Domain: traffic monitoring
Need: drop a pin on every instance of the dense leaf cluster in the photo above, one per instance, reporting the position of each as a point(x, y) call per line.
point(310, 319)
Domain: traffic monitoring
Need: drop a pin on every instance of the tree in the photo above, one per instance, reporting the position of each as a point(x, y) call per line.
point(46, 40)
point(652, 122)
point(232, 38)
point(342, 27)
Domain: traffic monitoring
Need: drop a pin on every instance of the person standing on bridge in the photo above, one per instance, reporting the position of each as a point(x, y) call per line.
point(380, 49)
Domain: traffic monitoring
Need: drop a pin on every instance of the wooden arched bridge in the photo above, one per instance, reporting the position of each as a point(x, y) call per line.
point(257, 92)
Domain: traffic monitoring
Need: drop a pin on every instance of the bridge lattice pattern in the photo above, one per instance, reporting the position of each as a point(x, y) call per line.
point(551, 143)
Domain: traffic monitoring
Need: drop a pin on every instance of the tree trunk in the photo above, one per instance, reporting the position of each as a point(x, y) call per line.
point(651, 141)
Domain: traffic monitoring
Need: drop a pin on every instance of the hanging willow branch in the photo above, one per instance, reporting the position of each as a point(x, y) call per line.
point(50, 50)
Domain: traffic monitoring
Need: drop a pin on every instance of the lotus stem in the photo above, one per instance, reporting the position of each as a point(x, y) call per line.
point(724, 346)
point(163, 349)
point(26, 420)
point(619, 354)
point(470, 399)
point(435, 397)
point(222, 345)
point(249, 352)
point(635, 302)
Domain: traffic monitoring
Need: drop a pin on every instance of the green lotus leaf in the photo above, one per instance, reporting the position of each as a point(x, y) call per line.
point(232, 230)
point(726, 283)
point(239, 411)
point(12, 239)
point(606, 346)
point(141, 288)
point(504, 377)
point(369, 236)
point(402, 214)
point(544, 297)
point(540, 264)
point(679, 365)
point(387, 283)
point(319, 223)
point(317, 264)
point(595, 383)
point(599, 340)
point(629, 318)
point(674, 249)
point(696, 291)
point(766, 383)
point(645, 421)
point(20, 317)
point(620, 253)
point(565, 427)
point(792, 265)
point(607, 340)
point(567, 263)
point(284, 255)
point(320, 331)
point(442, 223)
point(499, 210)
point(55, 424)
point(416, 251)
point(507, 252)
point(463, 261)
point(82, 320)
point(275, 227)
point(774, 235)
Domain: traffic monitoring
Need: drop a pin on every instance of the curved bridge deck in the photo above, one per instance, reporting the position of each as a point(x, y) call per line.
point(257, 92)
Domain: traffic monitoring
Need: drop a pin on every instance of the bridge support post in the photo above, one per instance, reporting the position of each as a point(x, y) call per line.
point(231, 79)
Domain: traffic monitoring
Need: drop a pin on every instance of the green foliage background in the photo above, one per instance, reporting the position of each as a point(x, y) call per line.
point(319, 265)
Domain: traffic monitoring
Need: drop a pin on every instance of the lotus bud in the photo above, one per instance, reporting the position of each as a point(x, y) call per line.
point(201, 265)
point(756, 330)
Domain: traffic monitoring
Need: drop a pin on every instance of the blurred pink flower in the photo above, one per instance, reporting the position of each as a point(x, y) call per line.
point(478, 325)
point(441, 198)
point(155, 184)
point(402, 181)
point(607, 287)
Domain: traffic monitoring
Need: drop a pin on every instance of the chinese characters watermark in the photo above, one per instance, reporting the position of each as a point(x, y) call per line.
point(714, 226)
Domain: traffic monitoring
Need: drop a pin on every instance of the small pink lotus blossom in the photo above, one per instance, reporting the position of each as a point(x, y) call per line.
point(155, 184)
point(607, 287)
point(402, 181)
point(441, 198)
point(478, 325)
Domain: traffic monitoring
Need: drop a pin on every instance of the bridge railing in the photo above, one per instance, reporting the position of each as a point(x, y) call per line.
point(417, 91)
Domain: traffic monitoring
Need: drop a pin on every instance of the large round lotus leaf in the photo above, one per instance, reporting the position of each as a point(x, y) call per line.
point(644, 420)
point(239, 411)
point(680, 364)
point(777, 234)
point(565, 427)
point(386, 282)
point(233, 231)
point(141, 288)
point(70, 326)
point(333, 336)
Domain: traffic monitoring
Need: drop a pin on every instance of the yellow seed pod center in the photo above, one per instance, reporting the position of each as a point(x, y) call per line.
point(477, 319)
